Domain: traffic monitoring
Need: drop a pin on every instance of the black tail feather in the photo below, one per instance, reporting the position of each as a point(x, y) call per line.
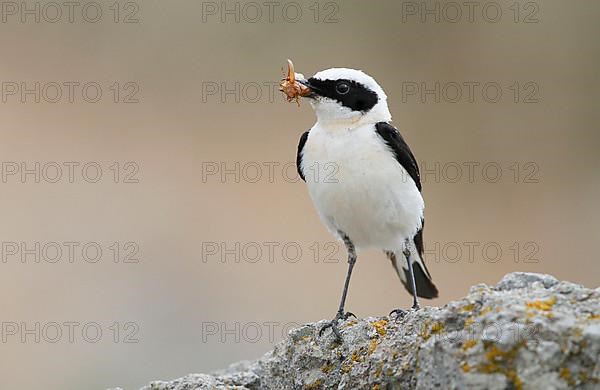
point(425, 287)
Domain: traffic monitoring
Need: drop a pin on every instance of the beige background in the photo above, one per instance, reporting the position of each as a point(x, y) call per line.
point(174, 297)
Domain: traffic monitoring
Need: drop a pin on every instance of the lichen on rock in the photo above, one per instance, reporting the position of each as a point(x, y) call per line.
point(530, 331)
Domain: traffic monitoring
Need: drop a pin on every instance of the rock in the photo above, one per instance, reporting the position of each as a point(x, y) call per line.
point(518, 280)
point(530, 331)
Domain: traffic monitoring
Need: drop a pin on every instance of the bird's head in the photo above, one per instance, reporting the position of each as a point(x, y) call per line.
point(343, 97)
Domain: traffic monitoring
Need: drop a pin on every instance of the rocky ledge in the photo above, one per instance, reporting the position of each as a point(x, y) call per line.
point(530, 331)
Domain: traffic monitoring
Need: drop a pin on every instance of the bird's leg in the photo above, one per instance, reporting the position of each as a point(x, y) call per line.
point(341, 314)
point(413, 284)
point(351, 261)
point(399, 313)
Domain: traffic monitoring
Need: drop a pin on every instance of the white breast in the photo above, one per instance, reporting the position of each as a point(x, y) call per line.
point(358, 187)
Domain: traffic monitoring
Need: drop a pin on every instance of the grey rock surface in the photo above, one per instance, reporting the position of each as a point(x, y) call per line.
point(530, 331)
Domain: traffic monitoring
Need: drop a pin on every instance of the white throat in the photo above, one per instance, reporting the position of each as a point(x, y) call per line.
point(331, 115)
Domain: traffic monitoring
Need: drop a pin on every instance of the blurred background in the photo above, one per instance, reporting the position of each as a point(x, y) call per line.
point(153, 223)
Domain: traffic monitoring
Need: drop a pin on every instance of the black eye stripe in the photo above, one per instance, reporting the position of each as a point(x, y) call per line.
point(357, 98)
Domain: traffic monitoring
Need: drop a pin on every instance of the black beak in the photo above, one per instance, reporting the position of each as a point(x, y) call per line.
point(314, 91)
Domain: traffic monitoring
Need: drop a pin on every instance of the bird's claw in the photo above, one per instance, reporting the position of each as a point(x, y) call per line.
point(400, 313)
point(345, 316)
point(334, 328)
point(340, 316)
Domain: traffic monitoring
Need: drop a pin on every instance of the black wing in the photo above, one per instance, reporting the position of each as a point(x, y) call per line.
point(404, 156)
point(393, 138)
point(299, 155)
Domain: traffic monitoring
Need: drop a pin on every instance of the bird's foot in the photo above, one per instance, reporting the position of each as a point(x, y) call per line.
point(397, 313)
point(340, 316)
point(400, 313)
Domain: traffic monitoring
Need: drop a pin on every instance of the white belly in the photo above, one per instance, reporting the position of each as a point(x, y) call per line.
point(359, 188)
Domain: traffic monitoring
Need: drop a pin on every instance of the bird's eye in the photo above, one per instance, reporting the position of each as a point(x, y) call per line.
point(342, 88)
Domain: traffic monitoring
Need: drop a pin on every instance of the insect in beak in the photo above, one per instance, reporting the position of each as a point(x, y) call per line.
point(293, 88)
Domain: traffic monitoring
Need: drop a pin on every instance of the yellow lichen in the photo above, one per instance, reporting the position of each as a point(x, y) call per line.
point(485, 310)
point(380, 327)
point(425, 331)
point(545, 305)
point(351, 323)
point(327, 368)
point(372, 346)
point(375, 387)
point(469, 344)
point(565, 374)
point(468, 307)
point(465, 366)
point(495, 354)
point(594, 317)
point(512, 375)
point(315, 385)
point(437, 327)
point(469, 321)
point(356, 357)
point(499, 361)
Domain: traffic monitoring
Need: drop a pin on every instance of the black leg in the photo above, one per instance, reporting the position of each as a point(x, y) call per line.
point(341, 314)
point(399, 313)
point(351, 261)
point(411, 272)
